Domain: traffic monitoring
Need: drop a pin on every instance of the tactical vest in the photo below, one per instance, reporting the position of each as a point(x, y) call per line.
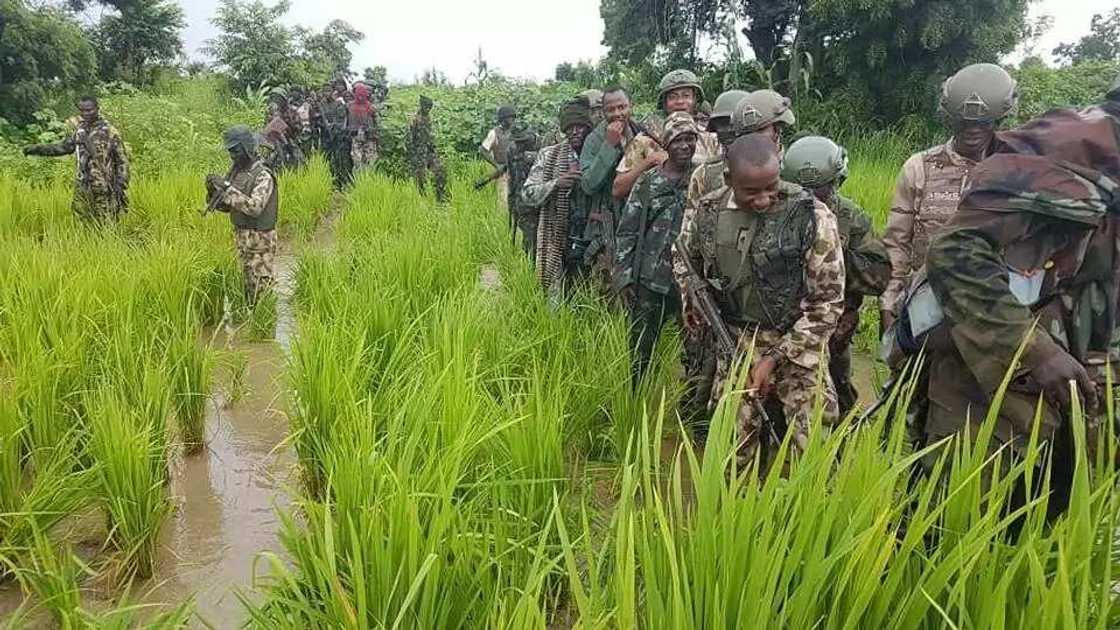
point(942, 193)
point(759, 260)
point(243, 182)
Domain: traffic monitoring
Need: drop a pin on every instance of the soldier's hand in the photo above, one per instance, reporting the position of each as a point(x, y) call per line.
point(567, 181)
point(1056, 372)
point(615, 131)
point(214, 182)
point(655, 159)
point(762, 375)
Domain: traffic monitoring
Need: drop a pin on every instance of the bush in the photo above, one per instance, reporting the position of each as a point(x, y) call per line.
point(1042, 88)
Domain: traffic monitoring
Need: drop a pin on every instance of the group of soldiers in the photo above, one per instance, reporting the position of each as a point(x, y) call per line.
point(999, 257)
point(999, 267)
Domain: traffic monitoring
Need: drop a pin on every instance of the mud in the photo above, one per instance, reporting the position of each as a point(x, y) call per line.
point(489, 277)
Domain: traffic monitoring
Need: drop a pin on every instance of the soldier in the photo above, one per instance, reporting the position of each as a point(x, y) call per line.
point(423, 153)
point(595, 100)
point(703, 115)
point(495, 148)
point(764, 111)
point(553, 188)
point(770, 253)
point(519, 160)
point(361, 124)
point(249, 194)
point(334, 136)
point(973, 102)
point(680, 91)
point(648, 225)
point(281, 136)
point(821, 166)
point(1025, 274)
point(101, 182)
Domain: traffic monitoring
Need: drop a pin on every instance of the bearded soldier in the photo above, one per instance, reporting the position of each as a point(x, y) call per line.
point(101, 183)
point(361, 124)
point(249, 194)
point(422, 151)
point(495, 149)
point(973, 102)
point(821, 166)
point(647, 227)
point(553, 189)
point(1027, 276)
point(769, 253)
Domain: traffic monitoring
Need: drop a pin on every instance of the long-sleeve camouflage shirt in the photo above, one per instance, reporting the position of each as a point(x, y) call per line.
point(648, 225)
point(805, 342)
point(102, 158)
point(252, 204)
point(421, 140)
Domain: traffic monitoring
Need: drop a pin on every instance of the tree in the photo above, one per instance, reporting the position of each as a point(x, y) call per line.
point(1101, 44)
point(254, 46)
point(636, 29)
point(328, 53)
point(43, 55)
point(770, 26)
point(138, 36)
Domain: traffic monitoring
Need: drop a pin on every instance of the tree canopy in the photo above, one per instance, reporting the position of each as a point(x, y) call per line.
point(1101, 44)
point(137, 37)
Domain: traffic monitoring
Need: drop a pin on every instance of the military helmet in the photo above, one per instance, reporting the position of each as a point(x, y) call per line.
point(979, 92)
point(726, 102)
point(1113, 93)
point(594, 97)
point(677, 79)
point(240, 136)
point(506, 111)
point(815, 161)
point(760, 109)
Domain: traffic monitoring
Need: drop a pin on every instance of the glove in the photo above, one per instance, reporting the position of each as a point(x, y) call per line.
point(1054, 375)
point(214, 183)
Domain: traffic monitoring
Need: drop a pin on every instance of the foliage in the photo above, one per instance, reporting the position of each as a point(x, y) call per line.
point(634, 30)
point(138, 37)
point(1042, 88)
point(328, 52)
point(1101, 44)
point(44, 58)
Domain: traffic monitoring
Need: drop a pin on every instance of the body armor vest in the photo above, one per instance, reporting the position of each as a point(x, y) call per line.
point(243, 182)
point(945, 181)
point(759, 260)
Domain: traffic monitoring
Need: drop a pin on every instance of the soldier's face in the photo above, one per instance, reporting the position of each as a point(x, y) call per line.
point(616, 106)
point(681, 100)
point(824, 193)
point(681, 149)
point(507, 122)
point(88, 111)
point(973, 137)
point(755, 188)
point(576, 134)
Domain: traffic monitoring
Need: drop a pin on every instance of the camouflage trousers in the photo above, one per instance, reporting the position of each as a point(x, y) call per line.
point(363, 153)
point(648, 312)
point(97, 206)
point(434, 165)
point(527, 221)
point(256, 249)
point(796, 393)
point(840, 369)
point(503, 192)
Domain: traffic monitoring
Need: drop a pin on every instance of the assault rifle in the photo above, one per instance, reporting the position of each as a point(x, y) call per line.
point(701, 299)
point(493, 176)
point(214, 194)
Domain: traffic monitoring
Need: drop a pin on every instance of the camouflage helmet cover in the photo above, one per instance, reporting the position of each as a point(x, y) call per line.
point(760, 109)
point(979, 92)
point(1114, 90)
point(726, 102)
point(815, 161)
point(594, 97)
point(677, 79)
point(676, 125)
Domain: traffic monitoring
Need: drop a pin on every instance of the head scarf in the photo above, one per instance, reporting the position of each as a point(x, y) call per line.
point(575, 112)
point(676, 125)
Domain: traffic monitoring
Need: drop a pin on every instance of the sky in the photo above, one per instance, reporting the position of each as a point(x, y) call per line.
point(522, 38)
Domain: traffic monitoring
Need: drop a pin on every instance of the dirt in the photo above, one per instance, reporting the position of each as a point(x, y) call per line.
point(489, 277)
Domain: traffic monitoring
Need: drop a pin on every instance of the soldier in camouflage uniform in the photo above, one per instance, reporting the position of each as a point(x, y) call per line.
point(495, 149)
point(361, 124)
point(334, 135)
point(973, 102)
point(770, 253)
point(101, 183)
point(249, 194)
point(519, 161)
point(595, 101)
point(1030, 255)
point(821, 166)
point(648, 225)
point(423, 154)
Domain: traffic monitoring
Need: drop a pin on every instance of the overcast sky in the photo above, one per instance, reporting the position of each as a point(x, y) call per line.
point(522, 38)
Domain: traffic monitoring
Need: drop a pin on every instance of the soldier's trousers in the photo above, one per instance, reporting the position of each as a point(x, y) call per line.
point(420, 173)
point(503, 192)
point(363, 154)
point(797, 392)
point(339, 161)
point(840, 368)
point(527, 222)
point(700, 360)
point(648, 312)
point(256, 249)
point(97, 206)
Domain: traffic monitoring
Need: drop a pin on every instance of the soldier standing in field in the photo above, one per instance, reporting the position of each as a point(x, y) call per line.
point(423, 154)
point(249, 194)
point(769, 253)
point(648, 225)
point(1027, 276)
point(334, 135)
point(973, 102)
point(361, 125)
point(519, 160)
point(553, 189)
point(495, 149)
point(821, 166)
point(101, 182)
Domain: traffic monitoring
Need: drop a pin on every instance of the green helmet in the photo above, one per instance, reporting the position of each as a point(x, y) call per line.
point(677, 79)
point(594, 97)
point(815, 161)
point(760, 109)
point(1113, 93)
point(240, 136)
point(726, 102)
point(980, 92)
point(506, 111)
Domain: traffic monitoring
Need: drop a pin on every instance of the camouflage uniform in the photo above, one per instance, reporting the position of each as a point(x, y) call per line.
point(361, 125)
point(252, 200)
point(335, 140)
point(648, 225)
point(790, 315)
point(101, 182)
point(926, 196)
point(425, 157)
point(496, 147)
point(519, 161)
